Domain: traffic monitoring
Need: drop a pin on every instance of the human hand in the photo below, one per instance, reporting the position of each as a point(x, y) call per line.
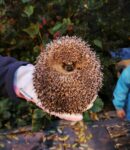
point(37, 102)
point(120, 113)
point(58, 83)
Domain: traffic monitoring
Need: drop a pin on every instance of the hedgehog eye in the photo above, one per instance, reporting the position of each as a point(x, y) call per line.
point(68, 66)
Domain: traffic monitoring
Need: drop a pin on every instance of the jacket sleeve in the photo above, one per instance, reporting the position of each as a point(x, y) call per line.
point(8, 67)
point(122, 89)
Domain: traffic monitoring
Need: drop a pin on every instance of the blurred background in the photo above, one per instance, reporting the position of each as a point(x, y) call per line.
point(27, 25)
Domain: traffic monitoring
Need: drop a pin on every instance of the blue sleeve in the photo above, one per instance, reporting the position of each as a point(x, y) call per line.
point(122, 89)
point(8, 66)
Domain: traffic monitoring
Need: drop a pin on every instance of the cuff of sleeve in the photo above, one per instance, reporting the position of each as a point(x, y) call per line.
point(117, 104)
point(9, 79)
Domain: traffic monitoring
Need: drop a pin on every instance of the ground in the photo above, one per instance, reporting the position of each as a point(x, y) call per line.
point(104, 134)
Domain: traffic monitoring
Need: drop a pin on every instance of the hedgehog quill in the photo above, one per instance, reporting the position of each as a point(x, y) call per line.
point(67, 76)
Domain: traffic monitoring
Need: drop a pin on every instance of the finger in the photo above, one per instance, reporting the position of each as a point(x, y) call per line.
point(122, 115)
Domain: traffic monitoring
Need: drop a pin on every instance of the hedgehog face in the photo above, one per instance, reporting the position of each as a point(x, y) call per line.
point(66, 60)
point(67, 76)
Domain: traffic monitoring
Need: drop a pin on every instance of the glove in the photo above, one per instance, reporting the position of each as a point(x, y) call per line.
point(23, 86)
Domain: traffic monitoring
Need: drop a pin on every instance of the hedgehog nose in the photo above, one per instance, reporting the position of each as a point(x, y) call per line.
point(68, 67)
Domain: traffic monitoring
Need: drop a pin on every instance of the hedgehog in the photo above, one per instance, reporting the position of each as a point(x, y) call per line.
point(67, 76)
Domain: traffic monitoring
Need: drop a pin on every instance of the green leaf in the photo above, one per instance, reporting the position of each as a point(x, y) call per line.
point(86, 116)
point(32, 30)
point(25, 1)
point(6, 115)
point(63, 29)
point(2, 2)
point(28, 10)
point(56, 28)
point(37, 124)
point(4, 105)
point(37, 119)
point(93, 4)
point(67, 21)
point(38, 113)
point(98, 105)
point(21, 122)
point(98, 43)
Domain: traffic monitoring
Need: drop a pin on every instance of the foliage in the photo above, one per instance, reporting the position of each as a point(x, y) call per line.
point(27, 25)
point(12, 115)
point(91, 114)
point(98, 105)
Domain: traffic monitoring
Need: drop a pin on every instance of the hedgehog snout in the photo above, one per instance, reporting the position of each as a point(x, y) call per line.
point(68, 66)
